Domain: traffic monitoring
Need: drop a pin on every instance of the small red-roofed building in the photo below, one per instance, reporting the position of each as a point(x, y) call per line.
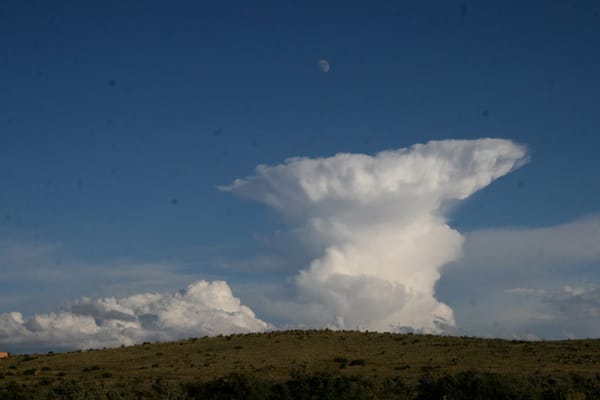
point(4, 354)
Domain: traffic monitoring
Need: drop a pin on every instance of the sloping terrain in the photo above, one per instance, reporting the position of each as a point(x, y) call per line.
point(276, 357)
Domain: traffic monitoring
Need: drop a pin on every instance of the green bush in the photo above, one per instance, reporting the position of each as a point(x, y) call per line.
point(326, 386)
point(231, 387)
point(358, 361)
point(74, 390)
point(168, 391)
point(480, 386)
point(14, 391)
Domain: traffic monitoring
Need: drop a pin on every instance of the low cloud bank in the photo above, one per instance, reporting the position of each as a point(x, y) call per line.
point(567, 312)
point(528, 282)
point(381, 223)
point(203, 308)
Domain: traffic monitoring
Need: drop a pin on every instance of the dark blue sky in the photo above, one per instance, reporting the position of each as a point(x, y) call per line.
point(118, 119)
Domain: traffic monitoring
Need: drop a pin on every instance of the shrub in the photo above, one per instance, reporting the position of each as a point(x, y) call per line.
point(326, 386)
point(358, 361)
point(473, 385)
point(73, 390)
point(168, 391)
point(14, 391)
point(234, 386)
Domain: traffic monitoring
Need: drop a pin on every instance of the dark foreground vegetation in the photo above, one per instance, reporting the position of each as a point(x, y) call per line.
point(313, 365)
point(302, 386)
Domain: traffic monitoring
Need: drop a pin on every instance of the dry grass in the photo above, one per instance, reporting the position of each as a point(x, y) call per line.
point(272, 356)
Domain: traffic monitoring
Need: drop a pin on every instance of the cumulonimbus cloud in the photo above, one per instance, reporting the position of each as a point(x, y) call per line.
point(384, 239)
point(381, 221)
point(203, 308)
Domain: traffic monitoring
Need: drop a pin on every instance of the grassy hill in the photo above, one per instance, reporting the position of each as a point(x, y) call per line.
point(379, 362)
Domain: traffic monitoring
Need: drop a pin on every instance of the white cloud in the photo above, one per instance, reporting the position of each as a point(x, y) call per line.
point(35, 276)
point(203, 308)
point(381, 224)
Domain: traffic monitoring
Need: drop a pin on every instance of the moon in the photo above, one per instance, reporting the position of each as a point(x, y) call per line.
point(324, 66)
